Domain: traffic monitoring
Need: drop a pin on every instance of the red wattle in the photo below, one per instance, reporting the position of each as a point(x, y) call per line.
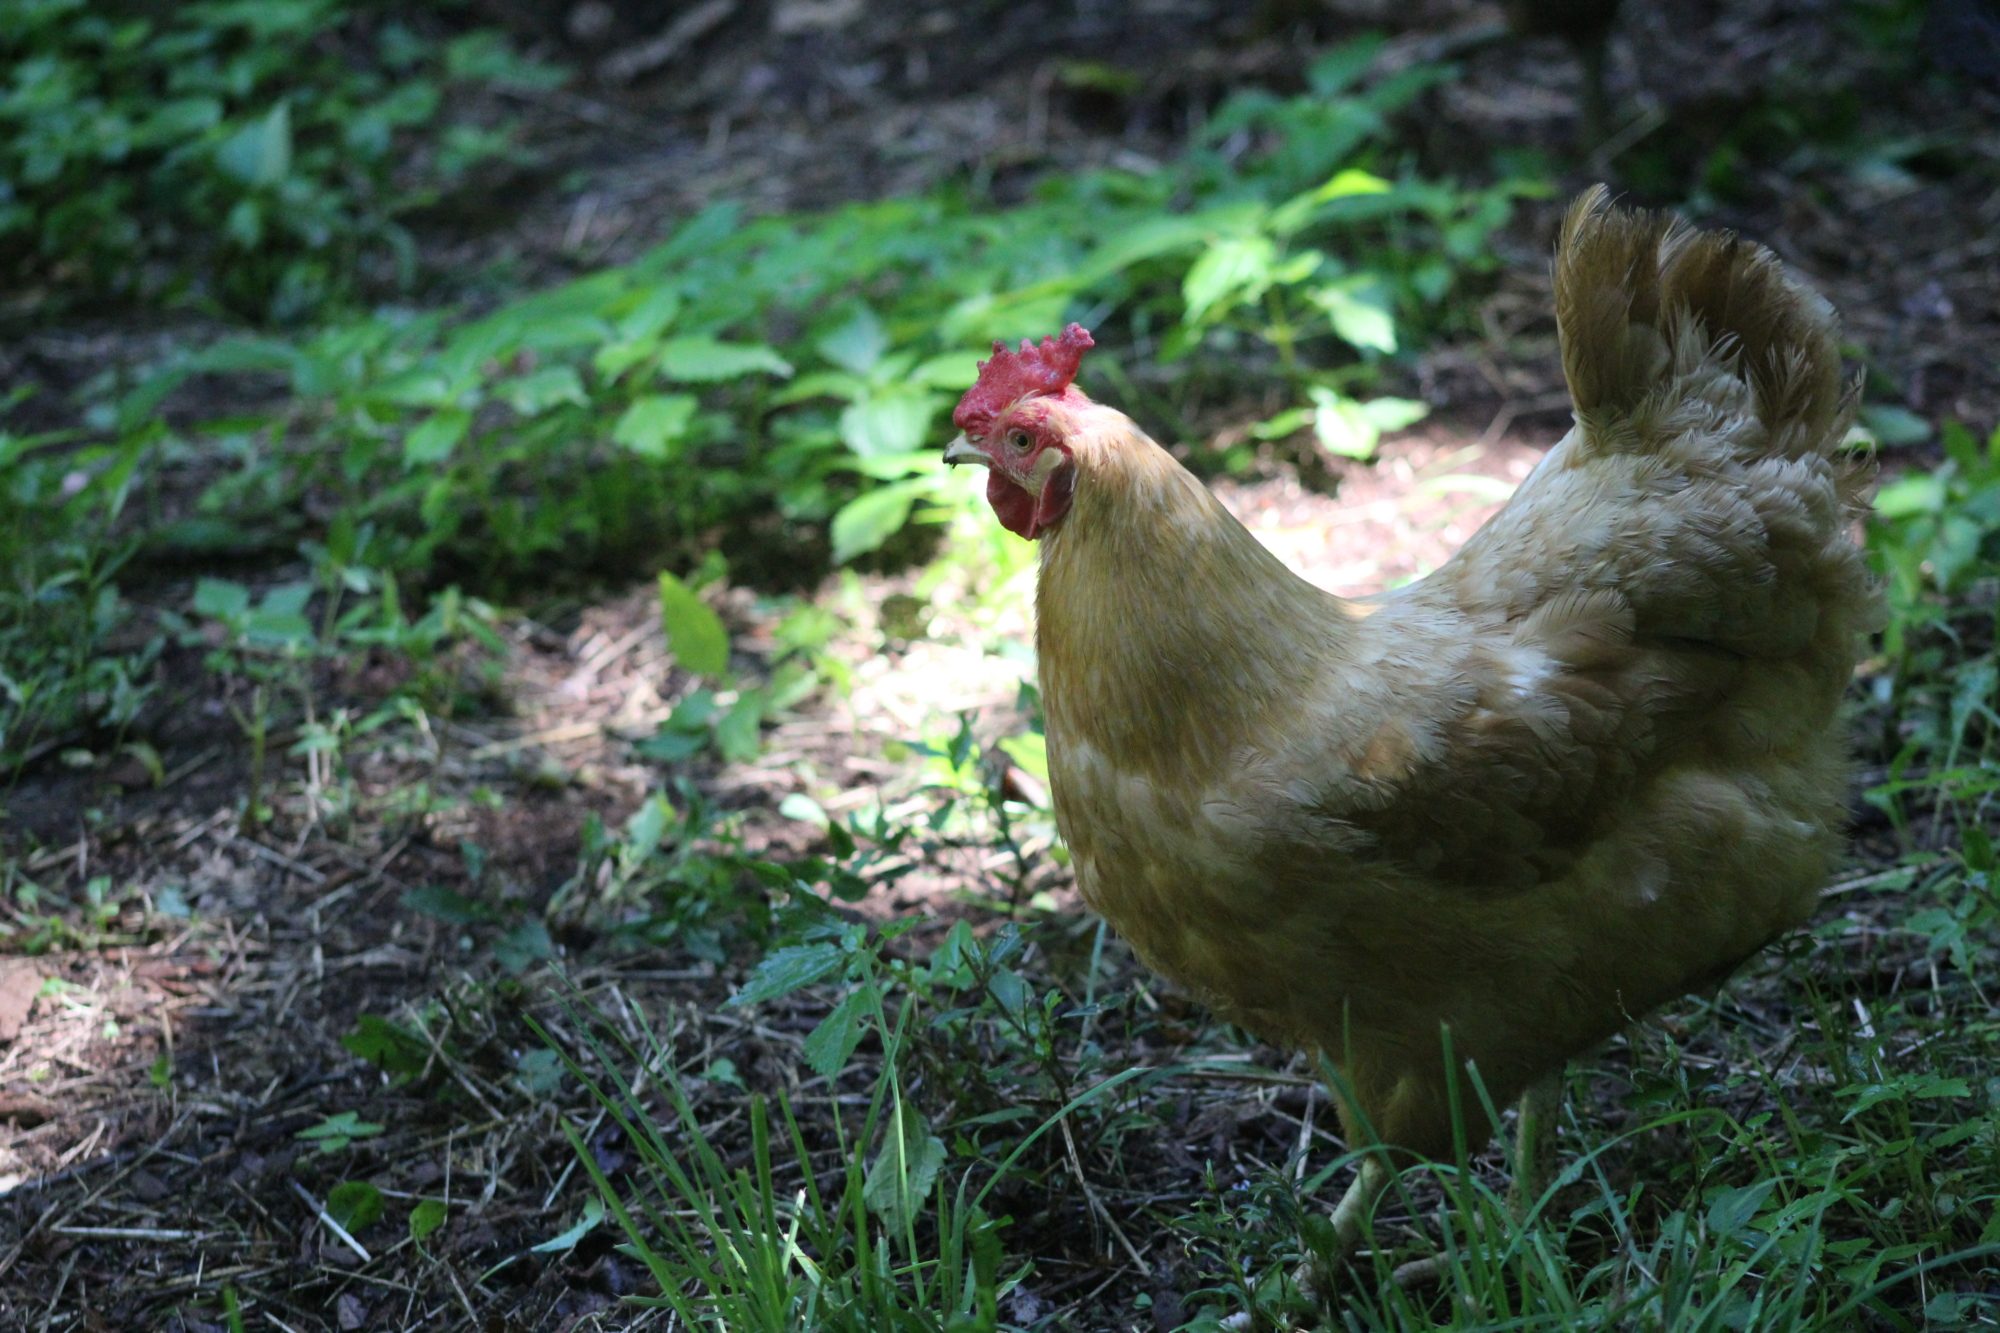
point(1014, 507)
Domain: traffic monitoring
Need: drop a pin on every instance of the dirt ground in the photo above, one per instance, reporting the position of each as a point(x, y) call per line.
point(155, 1077)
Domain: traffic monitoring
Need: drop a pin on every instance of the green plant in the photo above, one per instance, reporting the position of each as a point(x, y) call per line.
point(270, 649)
point(60, 609)
point(338, 1132)
point(754, 1239)
point(761, 1247)
point(797, 367)
point(1936, 538)
point(254, 155)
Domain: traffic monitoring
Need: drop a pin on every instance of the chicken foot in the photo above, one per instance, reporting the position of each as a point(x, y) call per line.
point(1534, 1152)
point(1540, 1103)
point(1537, 1110)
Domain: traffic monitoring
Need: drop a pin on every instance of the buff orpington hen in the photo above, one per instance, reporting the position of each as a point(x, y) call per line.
point(1589, 765)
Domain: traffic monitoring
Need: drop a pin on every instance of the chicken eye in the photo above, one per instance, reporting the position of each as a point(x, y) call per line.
point(1017, 440)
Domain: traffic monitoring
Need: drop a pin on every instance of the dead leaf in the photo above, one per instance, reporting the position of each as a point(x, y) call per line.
point(20, 983)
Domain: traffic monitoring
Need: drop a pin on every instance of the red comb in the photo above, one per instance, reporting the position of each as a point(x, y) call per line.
point(1011, 376)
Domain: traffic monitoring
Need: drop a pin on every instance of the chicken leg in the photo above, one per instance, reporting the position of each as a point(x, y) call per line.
point(1534, 1151)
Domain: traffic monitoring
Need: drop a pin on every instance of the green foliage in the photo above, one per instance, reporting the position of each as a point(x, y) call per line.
point(1936, 539)
point(272, 647)
point(354, 1205)
point(59, 604)
point(257, 155)
point(338, 1132)
point(1796, 1222)
point(786, 377)
point(895, 1238)
point(390, 1047)
point(801, 365)
point(426, 1218)
point(694, 632)
point(106, 914)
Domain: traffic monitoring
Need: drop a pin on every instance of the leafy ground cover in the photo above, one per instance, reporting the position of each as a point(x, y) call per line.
point(525, 803)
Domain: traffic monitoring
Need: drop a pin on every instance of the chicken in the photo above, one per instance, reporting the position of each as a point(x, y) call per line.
point(1590, 764)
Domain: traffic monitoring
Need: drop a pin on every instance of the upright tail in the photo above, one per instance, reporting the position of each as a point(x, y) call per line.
point(1644, 301)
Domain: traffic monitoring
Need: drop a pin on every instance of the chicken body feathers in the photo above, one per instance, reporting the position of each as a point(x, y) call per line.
point(1589, 764)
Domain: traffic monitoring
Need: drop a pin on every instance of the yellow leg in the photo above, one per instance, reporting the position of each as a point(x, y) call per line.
point(1350, 1215)
point(1350, 1228)
point(1533, 1150)
point(1534, 1143)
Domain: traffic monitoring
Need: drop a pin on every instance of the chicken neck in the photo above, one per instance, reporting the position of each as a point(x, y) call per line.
point(1166, 632)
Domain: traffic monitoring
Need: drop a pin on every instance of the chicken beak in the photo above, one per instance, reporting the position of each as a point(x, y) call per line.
point(962, 450)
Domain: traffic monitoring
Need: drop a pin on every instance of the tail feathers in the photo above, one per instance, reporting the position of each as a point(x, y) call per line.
point(1644, 301)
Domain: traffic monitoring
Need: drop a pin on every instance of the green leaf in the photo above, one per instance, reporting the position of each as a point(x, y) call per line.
point(867, 521)
point(278, 620)
point(354, 1204)
point(539, 1072)
point(858, 344)
point(1351, 182)
point(524, 946)
point(1284, 423)
point(1338, 69)
point(1389, 415)
point(655, 309)
point(260, 153)
point(245, 224)
point(704, 360)
point(1360, 313)
point(895, 467)
point(1149, 239)
point(338, 1130)
point(1910, 1087)
point(390, 1048)
point(247, 353)
point(426, 1218)
point(1352, 429)
point(221, 599)
point(1892, 426)
point(645, 829)
point(1231, 272)
point(786, 970)
point(953, 370)
point(668, 746)
point(899, 1180)
point(804, 809)
point(537, 392)
point(447, 905)
point(613, 359)
point(565, 1241)
point(829, 1045)
point(694, 632)
point(739, 735)
point(269, 627)
point(888, 423)
point(653, 424)
point(1030, 750)
point(1905, 497)
point(1732, 1209)
point(183, 118)
point(434, 438)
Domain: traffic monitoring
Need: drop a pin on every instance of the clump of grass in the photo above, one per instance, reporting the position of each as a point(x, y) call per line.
point(803, 1216)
